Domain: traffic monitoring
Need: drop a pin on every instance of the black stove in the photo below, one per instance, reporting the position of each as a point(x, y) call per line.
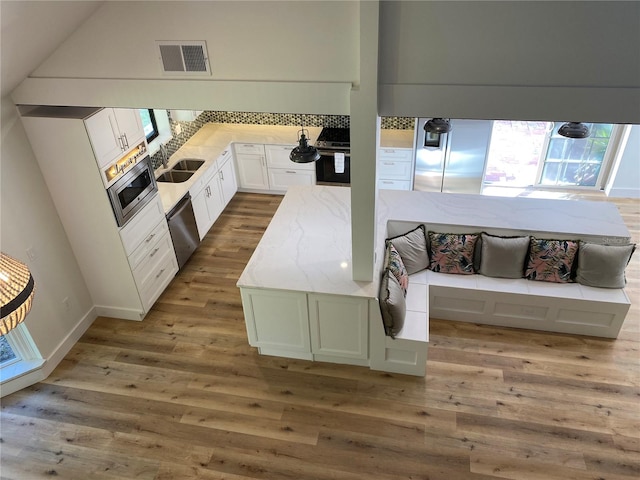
point(333, 138)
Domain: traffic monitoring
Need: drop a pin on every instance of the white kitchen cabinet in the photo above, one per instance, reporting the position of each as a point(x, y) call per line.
point(395, 168)
point(212, 192)
point(252, 166)
point(284, 173)
point(147, 241)
point(339, 326)
point(227, 178)
point(277, 322)
point(113, 132)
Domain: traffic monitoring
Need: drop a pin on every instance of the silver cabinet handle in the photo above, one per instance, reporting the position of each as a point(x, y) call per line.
point(290, 171)
point(160, 273)
point(154, 252)
point(221, 175)
point(389, 163)
point(149, 238)
point(125, 140)
point(121, 141)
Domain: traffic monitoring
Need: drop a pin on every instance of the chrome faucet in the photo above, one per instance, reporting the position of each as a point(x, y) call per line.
point(164, 155)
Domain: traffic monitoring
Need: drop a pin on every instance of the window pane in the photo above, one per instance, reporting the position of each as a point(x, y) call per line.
point(6, 352)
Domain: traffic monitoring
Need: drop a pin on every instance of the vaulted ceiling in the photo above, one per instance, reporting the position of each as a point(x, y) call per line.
point(32, 30)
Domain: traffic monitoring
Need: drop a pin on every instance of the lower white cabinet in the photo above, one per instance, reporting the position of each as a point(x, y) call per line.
point(147, 242)
point(277, 322)
point(212, 193)
point(307, 325)
point(252, 166)
point(395, 168)
point(339, 326)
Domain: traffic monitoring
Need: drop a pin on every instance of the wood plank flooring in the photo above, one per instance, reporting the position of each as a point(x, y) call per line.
point(181, 395)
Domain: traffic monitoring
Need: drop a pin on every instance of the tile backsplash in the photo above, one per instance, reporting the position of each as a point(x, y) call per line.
point(257, 118)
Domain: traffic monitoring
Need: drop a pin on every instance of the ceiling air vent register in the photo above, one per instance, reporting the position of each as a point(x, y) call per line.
point(184, 58)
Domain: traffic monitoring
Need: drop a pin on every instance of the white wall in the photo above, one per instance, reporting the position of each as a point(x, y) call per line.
point(511, 60)
point(29, 220)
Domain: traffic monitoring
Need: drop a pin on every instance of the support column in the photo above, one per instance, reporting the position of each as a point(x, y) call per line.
point(364, 131)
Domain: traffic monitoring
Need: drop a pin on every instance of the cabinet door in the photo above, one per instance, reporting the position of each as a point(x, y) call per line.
point(277, 320)
point(104, 136)
point(130, 126)
point(228, 184)
point(281, 179)
point(199, 204)
point(215, 204)
point(252, 172)
point(339, 326)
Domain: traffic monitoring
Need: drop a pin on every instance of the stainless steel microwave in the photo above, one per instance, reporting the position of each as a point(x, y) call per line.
point(133, 191)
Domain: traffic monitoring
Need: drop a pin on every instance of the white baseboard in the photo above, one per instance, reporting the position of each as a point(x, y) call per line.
point(123, 313)
point(34, 371)
point(624, 193)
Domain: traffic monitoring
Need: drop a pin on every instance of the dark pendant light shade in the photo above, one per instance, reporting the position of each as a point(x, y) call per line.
point(304, 153)
point(437, 125)
point(574, 130)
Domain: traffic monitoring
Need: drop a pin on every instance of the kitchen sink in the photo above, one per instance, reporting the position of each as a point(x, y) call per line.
point(190, 164)
point(174, 176)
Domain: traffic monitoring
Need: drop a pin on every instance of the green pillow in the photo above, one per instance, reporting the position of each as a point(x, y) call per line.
point(503, 257)
point(392, 303)
point(412, 247)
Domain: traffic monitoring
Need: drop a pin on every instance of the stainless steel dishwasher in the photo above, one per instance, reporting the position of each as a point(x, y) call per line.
point(183, 229)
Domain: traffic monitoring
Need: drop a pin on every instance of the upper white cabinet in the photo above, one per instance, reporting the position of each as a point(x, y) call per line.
point(113, 132)
point(284, 173)
point(395, 168)
point(252, 166)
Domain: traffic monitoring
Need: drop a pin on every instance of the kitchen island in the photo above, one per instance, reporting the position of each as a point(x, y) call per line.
point(298, 295)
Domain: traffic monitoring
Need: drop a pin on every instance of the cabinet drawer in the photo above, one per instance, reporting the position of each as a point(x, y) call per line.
point(201, 182)
point(142, 225)
point(157, 279)
point(397, 154)
point(394, 185)
point(394, 170)
point(281, 179)
point(149, 246)
point(278, 157)
point(249, 148)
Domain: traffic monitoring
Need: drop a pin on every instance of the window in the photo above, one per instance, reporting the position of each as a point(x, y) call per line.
point(7, 355)
point(524, 154)
point(149, 123)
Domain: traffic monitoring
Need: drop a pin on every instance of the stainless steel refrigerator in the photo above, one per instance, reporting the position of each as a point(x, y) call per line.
point(452, 162)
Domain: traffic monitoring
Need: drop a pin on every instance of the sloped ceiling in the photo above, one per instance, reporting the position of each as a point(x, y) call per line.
point(32, 30)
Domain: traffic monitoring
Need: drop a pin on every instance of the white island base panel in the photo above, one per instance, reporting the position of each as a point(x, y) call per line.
point(300, 302)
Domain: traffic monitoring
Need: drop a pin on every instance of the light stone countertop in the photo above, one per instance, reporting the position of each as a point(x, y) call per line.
point(395, 138)
point(307, 246)
point(212, 140)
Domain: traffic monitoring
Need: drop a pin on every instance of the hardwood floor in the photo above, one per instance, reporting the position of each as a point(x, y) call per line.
point(181, 395)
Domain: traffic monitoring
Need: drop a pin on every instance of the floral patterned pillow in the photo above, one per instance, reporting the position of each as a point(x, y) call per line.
point(452, 253)
point(551, 260)
point(396, 265)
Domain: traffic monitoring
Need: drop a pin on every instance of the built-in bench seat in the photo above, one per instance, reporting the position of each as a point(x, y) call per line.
point(521, 303)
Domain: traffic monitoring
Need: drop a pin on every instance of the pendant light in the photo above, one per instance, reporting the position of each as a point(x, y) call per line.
point(304, 153)
point(574, 130)
point(16, 292)
point(437, 125)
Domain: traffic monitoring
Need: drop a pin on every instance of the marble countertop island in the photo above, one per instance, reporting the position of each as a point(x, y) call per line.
point(307, 246)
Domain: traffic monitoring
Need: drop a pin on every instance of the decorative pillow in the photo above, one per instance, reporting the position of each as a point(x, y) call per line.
point(452, 252)
point(412, 247)
point(392, 304)
point(395, 264)
point(603, 265)
point(503, 257)
point(551, 260)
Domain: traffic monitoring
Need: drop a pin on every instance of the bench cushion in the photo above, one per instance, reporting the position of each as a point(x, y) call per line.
point(412, 247)
point(392, 303)
point(551, 260)
point(603, 265)
point(503, 257)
